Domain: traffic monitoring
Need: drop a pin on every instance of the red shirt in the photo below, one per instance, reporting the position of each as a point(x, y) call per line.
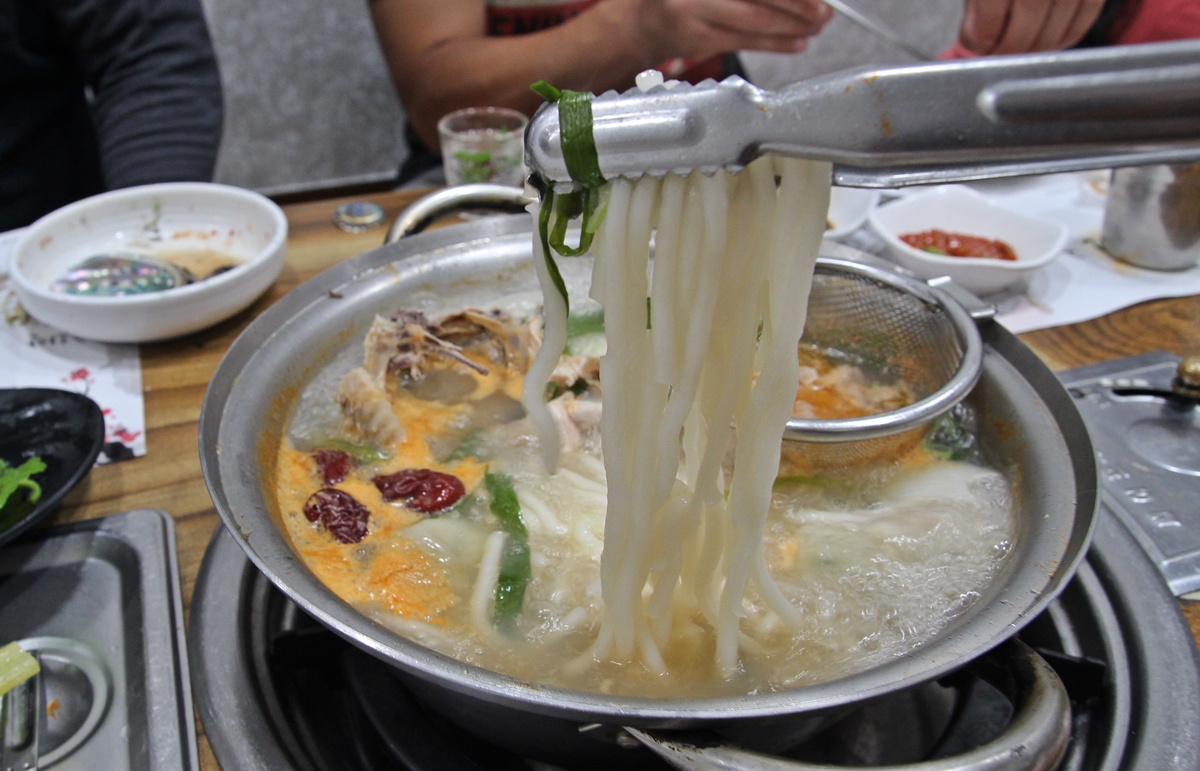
point(520, 17)
point(1154, 21)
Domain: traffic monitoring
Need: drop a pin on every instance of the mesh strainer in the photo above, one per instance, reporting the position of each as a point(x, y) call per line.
point(896, 329)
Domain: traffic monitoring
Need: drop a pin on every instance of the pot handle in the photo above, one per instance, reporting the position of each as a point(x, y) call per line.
point(1036, 738)
point(426, 210)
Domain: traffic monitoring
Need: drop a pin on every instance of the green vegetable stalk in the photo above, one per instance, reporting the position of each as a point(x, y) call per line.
point(515, 569)
point(16, 666)
point(13, 479)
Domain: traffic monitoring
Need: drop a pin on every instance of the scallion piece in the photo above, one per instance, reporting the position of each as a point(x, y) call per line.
point(578, 141)
point(585, 324)
point(583, 164)
point(543, 234)
point(546, 91)
point(470, 446)
point(515, 568)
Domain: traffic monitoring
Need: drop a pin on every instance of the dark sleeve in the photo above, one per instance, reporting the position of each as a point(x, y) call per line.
point(157, 93)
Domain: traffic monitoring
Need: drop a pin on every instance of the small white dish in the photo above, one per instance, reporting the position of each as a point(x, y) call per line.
point(177, 216)
point(958, 209)
point(848, 209)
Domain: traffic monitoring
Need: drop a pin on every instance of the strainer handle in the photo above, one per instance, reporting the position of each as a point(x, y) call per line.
point(977, 308)
point(1036, 738)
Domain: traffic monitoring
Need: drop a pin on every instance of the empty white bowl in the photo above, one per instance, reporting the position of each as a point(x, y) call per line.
point(174, 216)
point(848, 209)
point(958, 209)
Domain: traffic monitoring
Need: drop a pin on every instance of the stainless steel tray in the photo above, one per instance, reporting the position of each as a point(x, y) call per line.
point(1148, 450)
point(100, 601)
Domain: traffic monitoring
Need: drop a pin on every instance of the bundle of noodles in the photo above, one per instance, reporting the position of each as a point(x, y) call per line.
point(723, 300)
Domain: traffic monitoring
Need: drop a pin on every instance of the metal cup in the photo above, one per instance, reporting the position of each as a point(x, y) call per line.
point(1152, 217)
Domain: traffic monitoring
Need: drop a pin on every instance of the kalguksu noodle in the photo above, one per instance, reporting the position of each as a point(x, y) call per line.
point(702, 345)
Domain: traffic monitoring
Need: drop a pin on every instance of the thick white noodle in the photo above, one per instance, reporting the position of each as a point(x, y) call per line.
point(485, 582)
point(554, 342)
point(699, 346)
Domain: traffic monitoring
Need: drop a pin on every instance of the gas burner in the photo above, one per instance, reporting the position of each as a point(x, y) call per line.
point(277, 690)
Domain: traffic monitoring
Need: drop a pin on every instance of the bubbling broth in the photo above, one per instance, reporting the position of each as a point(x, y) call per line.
point(457, 478)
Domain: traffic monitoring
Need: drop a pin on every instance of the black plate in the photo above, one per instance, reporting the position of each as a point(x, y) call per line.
point(65, 429)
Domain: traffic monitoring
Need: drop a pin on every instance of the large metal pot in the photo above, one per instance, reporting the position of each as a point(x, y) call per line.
point(1028, 424)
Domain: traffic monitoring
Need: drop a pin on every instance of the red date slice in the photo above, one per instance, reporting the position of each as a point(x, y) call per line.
point(421, 489)
point(341, 515)
point(335, 465)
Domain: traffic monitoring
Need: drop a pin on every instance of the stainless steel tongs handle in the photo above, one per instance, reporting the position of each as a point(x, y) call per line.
point(918, 124)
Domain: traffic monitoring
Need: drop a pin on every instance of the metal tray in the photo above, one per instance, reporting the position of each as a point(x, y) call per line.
point(1148, 450)
point(100, 602)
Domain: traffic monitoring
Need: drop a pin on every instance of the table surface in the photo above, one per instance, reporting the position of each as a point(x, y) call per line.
point(176, 373)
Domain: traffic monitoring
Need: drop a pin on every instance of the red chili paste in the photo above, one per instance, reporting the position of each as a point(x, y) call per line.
point(958, 245)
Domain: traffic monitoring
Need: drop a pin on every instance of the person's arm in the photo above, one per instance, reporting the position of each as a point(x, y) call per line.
point(1023, 26)
point(442, 59)
point(156, 91)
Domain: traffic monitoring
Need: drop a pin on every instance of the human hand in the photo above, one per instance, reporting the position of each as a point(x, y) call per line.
point(701, 28)
point(1023, 26)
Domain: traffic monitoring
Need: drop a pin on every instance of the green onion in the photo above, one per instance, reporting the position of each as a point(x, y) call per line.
point(16, 666)
point(551, 265)
point(951, 438)
point(934, 250)
point(515, 569)
point(546, 91)
point(470, 446)
point(360, 453)
point(578, 141)
point(585, 324)
point(583, 164)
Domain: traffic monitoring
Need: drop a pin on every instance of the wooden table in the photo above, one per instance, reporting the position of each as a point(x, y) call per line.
point(176, 373)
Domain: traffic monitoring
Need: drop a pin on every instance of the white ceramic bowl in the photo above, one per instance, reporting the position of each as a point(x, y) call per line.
point(848, 209)
point(175, 216)
point(958, 209)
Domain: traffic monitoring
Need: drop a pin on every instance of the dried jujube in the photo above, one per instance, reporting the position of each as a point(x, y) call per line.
point(335, 465)
point(339, 513)
point(421, 489)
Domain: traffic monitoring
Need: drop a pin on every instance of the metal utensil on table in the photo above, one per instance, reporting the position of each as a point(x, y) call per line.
point(20, 724)
point(875, 28)
point(918, 124)
point(1152, 216)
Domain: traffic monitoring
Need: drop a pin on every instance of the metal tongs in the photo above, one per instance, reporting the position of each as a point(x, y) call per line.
point(912, 125)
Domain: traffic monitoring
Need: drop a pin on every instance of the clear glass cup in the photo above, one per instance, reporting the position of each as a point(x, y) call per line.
point(483, 144)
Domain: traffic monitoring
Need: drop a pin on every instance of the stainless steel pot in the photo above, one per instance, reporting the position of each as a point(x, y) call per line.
point(1029, 425)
